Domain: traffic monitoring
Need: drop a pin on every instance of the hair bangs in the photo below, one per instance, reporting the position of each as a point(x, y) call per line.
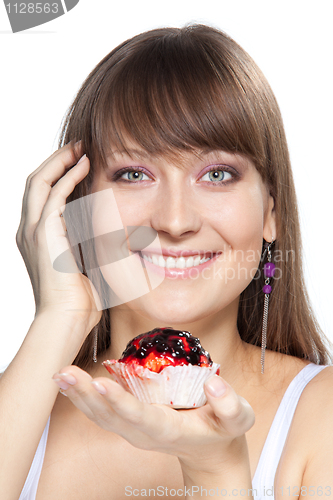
point(168, 96)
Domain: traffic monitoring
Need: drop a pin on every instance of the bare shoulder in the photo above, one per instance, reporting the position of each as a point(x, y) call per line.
point(320, 388)
point(316, 405)
point(316, 402)
point(317, 409)
point(308, 455)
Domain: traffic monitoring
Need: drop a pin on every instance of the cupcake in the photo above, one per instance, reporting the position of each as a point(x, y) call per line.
point(164, 366)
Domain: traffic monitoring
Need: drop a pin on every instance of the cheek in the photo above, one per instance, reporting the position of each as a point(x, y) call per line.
point(116, 209)
point(239, 218)
point(135, 209)
point(105, 212)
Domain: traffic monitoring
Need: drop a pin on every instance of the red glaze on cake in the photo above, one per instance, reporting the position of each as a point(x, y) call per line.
point(164, 347)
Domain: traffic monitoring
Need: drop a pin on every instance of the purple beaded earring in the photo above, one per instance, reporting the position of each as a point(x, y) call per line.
point(269, 270)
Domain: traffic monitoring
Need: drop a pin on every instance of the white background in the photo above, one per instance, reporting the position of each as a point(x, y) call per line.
point(42, 69)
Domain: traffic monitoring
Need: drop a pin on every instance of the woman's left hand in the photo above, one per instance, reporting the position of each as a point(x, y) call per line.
point(206, 433)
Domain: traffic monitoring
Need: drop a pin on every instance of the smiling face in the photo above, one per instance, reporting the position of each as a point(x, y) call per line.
point(211, 212)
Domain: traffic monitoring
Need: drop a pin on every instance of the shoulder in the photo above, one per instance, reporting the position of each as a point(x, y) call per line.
point(317, 411)
point(309, 445)
point(316, 400)
point(317, 397)
point(320, 387)
point(311, 430)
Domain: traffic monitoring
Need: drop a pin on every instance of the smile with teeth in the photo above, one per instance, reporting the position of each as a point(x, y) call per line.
point(172, 263)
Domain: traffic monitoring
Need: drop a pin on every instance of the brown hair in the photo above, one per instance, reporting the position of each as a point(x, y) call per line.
point(171, 90)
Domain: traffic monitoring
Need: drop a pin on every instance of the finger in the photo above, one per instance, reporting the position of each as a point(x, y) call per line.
point(36, 193)
point(75, 384)
point(40, 182)
point(64, 187)
point(146, 426)
point(144, 417)
point(233, 413)
point(80, 388)
point(69, 146)
point(54, 225)
point(41, 186)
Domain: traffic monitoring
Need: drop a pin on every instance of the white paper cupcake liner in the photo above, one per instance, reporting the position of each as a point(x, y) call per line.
point(176, 386)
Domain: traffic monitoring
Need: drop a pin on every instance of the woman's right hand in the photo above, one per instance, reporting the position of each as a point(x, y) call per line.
point(71, 295)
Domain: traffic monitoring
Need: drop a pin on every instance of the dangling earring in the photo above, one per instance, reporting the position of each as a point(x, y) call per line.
point(269, 270)
point(95, 329)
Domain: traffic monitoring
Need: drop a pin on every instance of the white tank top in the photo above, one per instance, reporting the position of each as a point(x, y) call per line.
point(31, 484)
point(263, 479)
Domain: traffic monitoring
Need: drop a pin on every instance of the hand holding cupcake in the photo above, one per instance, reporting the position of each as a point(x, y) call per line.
point(160, 365)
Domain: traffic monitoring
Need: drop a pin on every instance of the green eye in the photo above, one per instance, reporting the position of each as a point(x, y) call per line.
point(216, 175)
point(134, 176)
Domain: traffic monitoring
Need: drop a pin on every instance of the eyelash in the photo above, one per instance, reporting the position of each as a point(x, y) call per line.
point(117, 176)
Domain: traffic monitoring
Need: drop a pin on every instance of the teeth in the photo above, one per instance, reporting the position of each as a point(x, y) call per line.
point(204, 260)
point(172, 263)
point(190, 262)
point(180, 263)
point(196, 260)
point(155, 260)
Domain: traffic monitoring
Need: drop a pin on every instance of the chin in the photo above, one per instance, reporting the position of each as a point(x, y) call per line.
point(170, 313)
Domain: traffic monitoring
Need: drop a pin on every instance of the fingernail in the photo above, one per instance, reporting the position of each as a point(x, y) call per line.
point(216, 387)
point(60, 383)
point(82, 158)
point(68, 378)
point(99, 387)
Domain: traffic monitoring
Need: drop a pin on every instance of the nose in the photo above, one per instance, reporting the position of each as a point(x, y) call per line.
point(175, 212)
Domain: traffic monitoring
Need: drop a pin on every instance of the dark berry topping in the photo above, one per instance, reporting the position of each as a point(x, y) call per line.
point(141, 353)
point(130, 350)
point(163, 347)
point(146, 344)
point(193, 358)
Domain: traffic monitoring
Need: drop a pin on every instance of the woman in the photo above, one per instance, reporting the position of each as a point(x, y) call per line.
point(185, 130)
